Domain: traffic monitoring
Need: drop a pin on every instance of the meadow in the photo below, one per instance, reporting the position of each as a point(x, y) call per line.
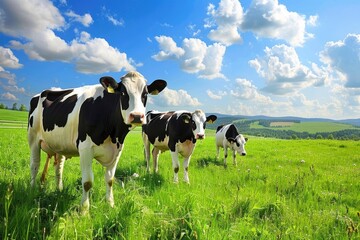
point(310, 127)
point(283, 189)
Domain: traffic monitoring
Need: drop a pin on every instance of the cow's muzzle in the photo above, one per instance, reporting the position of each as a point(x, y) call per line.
point(200, 136)
point(137, 118)
point(243, 154)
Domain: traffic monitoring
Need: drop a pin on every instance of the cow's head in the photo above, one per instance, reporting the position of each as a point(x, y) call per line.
point(133, 93)
point(198, 122)
point(238, 144)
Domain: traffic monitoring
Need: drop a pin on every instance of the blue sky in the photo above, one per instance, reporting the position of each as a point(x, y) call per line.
point(258, 57)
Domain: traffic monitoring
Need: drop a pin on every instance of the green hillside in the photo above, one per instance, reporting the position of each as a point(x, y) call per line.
point(310, 127)
point(13, 119)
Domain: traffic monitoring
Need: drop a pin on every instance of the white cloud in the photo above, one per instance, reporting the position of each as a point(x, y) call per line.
point(8, 96)
point(283, 71)
point(8, 59)
point(116, 22)
point(169, 49)
point(268, 18)
point(344, 57)
point(313, 20)
point(85, 20)
point(227, 17)
point(175, 98)
point(245, 90)
point(20, 20)
point(194, 56)
point(90, 55)
point(217, 96)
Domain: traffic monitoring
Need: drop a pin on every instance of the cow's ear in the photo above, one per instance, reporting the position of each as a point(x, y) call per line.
point(211, 119)
point(186, 118)
point(157, 86)
point(246, 139)
point(109, 84)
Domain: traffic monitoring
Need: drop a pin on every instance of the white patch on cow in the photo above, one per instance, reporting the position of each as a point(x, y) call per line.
point(134, 83)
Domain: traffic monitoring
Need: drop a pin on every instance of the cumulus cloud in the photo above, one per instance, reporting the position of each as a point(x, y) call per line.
point(227, 17)
point(216, 95)
point(344, 57)
point(90, 55)
point(85, 20)
point(194, 56)
point(283, 71)
point(175, 98)
point(272, 20)
point(8, 59)
point(8, 96)
point(246, 90)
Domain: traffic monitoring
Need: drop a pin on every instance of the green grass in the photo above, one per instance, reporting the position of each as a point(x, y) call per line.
point(283, 189)
point(310, 127)
point(13, 119)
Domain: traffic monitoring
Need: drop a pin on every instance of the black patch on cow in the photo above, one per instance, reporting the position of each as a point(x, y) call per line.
point(177, 128)
point(219, 128)
point(56, 111)
point(101, 118)
point(124, 96)
point(33, 104)
point(231, 133)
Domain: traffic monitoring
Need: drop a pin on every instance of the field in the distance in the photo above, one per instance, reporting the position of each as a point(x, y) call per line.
point(310, 127)
point(283, 189)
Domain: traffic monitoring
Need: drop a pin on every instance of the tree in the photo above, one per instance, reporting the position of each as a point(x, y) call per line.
point(14, 107)
point(2, 106)
point(22, 108)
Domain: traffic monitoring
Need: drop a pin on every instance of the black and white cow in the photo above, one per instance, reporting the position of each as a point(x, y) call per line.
point(227, 136)
point(177, 131)
point(90, 122)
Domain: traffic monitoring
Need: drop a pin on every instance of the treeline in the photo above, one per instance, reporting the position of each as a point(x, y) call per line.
point(14, 107)
point(244, 128)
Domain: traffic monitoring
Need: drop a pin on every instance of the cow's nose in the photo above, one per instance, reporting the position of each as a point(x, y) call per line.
point(200, 136)
point(243, 154)
point(136, 118)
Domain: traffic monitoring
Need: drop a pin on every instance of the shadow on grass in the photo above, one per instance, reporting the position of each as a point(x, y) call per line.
point(148, 182)
point(205, 162)
point(31, 213)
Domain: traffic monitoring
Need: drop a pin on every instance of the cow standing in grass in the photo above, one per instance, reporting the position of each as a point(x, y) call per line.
point(174, 131)
point(227, 136)
point(89, 122)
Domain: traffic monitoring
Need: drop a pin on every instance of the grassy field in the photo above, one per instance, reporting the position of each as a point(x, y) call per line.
point(310, 127)
point(283, 189)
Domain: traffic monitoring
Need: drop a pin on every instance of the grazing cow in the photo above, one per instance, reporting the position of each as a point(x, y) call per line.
point(89, 122)
point(177, 131)
point(228, 136)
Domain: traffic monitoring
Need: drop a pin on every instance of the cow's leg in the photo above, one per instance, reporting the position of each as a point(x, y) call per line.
point(175, 164)
point(109, 180)
point(59, 167)
point(86, 156)
point(156, 153)
point(34, 162)
point(186, 169)
point(225, 155)
point(45, 170)
point(146, 151)
point(217, 152)
point(234, 157)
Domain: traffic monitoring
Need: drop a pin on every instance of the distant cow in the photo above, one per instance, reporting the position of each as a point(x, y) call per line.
point(227, 136)
point(90, 122)
point(177, 131)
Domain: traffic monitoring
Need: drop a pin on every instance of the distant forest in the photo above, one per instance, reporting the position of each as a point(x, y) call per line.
point(244, 128)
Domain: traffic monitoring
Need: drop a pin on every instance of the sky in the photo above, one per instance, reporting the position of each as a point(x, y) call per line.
point(253, 57)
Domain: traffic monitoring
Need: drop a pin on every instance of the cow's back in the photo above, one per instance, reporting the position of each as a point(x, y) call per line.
point(54, 118)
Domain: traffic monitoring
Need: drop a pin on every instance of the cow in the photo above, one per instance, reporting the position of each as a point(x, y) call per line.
point(89, 122)
point(227, 136)
point(176, 131)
